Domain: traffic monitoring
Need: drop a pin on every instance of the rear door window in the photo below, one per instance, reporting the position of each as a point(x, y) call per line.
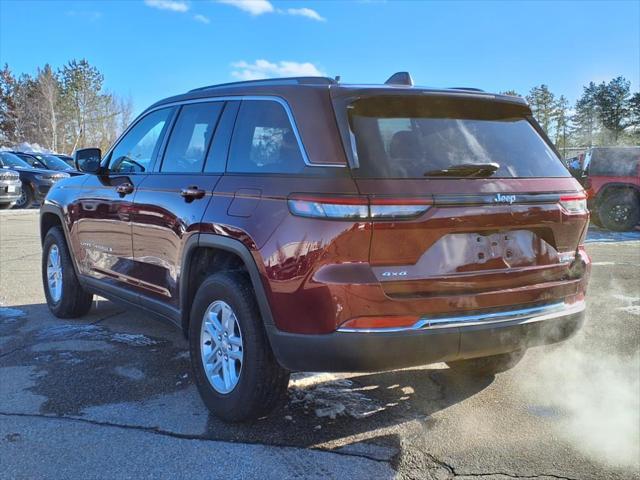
point(411, 137)
point(264, 140)
point(190, 138)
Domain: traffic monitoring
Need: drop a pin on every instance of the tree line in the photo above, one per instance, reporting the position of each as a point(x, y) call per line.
point(605, 114)
point(68, 108)
point(62, 109)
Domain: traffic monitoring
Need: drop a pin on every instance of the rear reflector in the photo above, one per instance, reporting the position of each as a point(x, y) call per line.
point(372, 323)
point(348, 208)
point(574, 203)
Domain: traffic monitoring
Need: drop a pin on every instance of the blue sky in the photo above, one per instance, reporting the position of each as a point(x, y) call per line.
point(150, 49)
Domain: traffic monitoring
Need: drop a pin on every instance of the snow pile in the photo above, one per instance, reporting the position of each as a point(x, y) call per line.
point(329, 396)
point(633, 304)
point(31, 147)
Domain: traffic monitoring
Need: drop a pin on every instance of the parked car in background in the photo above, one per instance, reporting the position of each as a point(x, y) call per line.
point(10, 188)
point(305, 225)
point(611, 177)
point(36, 182)
point(67, 159)
point(46, 161)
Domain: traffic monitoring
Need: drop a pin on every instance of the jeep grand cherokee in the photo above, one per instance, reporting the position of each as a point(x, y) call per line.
point(303, 224)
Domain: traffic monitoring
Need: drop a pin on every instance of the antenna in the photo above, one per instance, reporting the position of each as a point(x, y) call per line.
point(400, 78)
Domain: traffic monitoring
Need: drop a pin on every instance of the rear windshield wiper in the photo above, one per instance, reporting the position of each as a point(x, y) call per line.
point(465, 170)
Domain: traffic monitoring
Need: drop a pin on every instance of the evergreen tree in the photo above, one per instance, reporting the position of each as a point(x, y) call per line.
point(585, 120)
point(8, 126)
point(81, 97)
point(612, 100)
point(543, 105)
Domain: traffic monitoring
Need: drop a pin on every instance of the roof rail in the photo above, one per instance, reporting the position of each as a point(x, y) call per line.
point(470, 89)
point(272, 82)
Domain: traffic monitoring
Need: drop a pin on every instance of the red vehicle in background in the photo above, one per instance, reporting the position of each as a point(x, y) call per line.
point(611, 178)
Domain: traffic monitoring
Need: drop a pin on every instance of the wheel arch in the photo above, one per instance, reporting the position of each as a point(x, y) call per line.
point(51, 215)
point(230, 246)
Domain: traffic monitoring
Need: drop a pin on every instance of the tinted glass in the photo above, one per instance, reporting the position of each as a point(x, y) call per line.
point(190, 137)
point(11, 160)
point(264, 140)
point(217, 156)
point(615, 161)
point(31, 160)
point(55, 163)
point(411, 137)
point(138, 148)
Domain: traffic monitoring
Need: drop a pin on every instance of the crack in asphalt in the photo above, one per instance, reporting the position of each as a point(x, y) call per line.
point(180, 436)
point(453, 473)
point(511, 475)
point(29, 345)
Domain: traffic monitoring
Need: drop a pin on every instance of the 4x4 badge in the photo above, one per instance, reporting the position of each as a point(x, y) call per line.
point(500, 198)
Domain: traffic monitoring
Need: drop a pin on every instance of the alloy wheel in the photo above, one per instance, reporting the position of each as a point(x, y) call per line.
point(221, 347)
point(54, 273)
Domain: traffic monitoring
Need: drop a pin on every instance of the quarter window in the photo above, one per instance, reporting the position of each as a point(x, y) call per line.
point(264, 140)
point(138, 148)
point(191, 137)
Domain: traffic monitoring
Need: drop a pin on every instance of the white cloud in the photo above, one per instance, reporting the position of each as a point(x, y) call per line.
point(254, 7)
point(201, 18)
point(305, 12)
point(259, 7)
point(265, 69)
point(172, 5)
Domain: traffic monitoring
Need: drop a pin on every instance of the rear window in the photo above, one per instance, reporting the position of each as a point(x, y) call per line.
point(616, 162)
point(417, 137)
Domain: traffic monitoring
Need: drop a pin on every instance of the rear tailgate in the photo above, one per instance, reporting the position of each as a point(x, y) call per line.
point(479, 235)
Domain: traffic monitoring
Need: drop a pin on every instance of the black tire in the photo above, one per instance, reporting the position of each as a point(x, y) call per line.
point(74, 301)
point(486, 366)
point(620, 211)
point(26, 198)
point(262, 382)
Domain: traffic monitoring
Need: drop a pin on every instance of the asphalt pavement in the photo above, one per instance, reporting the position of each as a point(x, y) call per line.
point(111, 395)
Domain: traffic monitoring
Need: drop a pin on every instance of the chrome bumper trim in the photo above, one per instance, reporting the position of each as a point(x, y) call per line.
point(521, 316)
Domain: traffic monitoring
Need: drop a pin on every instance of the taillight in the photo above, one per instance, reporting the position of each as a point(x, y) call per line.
point(325, 207)
point(356, 207)
point(396, 208)
point(574, 203)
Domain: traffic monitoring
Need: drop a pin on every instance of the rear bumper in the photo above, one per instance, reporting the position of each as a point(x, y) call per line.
point(466, 337)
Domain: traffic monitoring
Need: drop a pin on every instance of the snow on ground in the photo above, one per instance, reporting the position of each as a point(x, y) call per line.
point(330, 396)
point(10, 315)
point(599, 235)
point(94, 332)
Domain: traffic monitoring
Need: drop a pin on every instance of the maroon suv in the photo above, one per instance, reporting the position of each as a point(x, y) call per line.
point(303, 224)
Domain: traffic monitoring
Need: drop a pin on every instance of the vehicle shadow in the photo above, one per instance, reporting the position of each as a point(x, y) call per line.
point(127, 368)
point(355, 407)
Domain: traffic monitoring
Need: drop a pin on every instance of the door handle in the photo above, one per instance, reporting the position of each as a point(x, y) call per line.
point(192, 193)
point(124, 189)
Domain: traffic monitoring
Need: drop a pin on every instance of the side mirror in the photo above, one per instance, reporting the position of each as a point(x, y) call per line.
point(87, 160)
